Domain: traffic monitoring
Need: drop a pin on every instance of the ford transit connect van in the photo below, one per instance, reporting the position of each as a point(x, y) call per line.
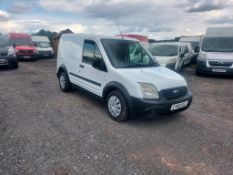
point(129, 84)
point(216, 53)
point(7, 53)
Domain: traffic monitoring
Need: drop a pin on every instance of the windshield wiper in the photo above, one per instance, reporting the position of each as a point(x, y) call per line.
point(141, 65)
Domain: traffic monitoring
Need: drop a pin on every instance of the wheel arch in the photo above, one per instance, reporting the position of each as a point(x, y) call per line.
point(117, 86)
point(61, 69)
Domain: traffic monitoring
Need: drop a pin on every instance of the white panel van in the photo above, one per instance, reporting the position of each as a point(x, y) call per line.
point(173, 55)
point(43, 46)
point(130, 84)
point(195, 42)
point(216, 53)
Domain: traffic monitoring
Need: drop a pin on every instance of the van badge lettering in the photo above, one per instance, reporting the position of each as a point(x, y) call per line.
point(175, 91)
point(221, 62)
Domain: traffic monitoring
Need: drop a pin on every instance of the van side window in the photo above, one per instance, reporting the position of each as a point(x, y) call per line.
point(90, 52)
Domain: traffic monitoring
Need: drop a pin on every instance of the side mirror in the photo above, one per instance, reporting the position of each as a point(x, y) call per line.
point(197, 49)
point(97, 63)
point(14, 45)
point(35, 44)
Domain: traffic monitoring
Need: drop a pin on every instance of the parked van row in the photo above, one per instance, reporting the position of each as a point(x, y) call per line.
point(19, 46)
point(212, 53)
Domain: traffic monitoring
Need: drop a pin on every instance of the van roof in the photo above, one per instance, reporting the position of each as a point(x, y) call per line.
point(219, 31)
point(19, 35)
point(98, 37)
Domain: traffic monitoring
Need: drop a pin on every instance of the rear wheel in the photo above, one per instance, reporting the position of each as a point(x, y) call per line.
point(64, 82)
point(116, 106)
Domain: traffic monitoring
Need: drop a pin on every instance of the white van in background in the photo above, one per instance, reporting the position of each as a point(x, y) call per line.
point(43, 46)
point(195, 42)
point(173, 55)
point(216, 53)
point(128, 83)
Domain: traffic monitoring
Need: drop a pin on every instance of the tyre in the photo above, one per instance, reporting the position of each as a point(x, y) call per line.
point(14, 65)
point(34, 59)
point(198, 70)
point(116, 106)
point(64, 82)
point(198, 73)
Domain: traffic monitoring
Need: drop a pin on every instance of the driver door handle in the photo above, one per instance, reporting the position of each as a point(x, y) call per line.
point(82, 66)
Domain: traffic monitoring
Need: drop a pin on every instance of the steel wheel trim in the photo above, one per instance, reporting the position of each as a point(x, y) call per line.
point(62, 82)
point(114, 106)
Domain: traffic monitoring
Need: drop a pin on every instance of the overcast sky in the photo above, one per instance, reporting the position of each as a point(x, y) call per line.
point(159, 19)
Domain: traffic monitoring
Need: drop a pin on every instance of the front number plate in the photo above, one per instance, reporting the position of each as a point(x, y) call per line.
point(27, 57)
point(179, 106)
point(220, 70)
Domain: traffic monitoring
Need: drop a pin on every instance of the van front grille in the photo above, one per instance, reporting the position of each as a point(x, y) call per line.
point(25, 51)
point(220, 63)
point(3, 54)
point(174, 93)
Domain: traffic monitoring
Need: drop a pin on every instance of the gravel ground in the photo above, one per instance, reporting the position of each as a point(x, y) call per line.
point(44, 131)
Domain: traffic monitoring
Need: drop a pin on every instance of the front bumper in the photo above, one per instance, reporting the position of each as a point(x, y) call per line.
point(8, 60)
point(45, 53)
point(26, 57)
point(203, 67)
point(161, 106)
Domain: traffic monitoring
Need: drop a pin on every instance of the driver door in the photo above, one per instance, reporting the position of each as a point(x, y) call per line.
point(92, 79)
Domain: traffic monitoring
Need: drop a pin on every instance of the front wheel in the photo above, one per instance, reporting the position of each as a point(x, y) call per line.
point(14, 65)
point(64, 82)
point(116, 106)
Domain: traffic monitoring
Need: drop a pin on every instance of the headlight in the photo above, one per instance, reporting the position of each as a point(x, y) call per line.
point(202, 56)
point(11, 52)
point(149, 91)
point(36, 51)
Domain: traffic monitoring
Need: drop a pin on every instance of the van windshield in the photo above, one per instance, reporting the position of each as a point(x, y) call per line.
point(22, 41)
point(220, 44)
point(4, 41)
point(127, 54)
point(164, 50)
